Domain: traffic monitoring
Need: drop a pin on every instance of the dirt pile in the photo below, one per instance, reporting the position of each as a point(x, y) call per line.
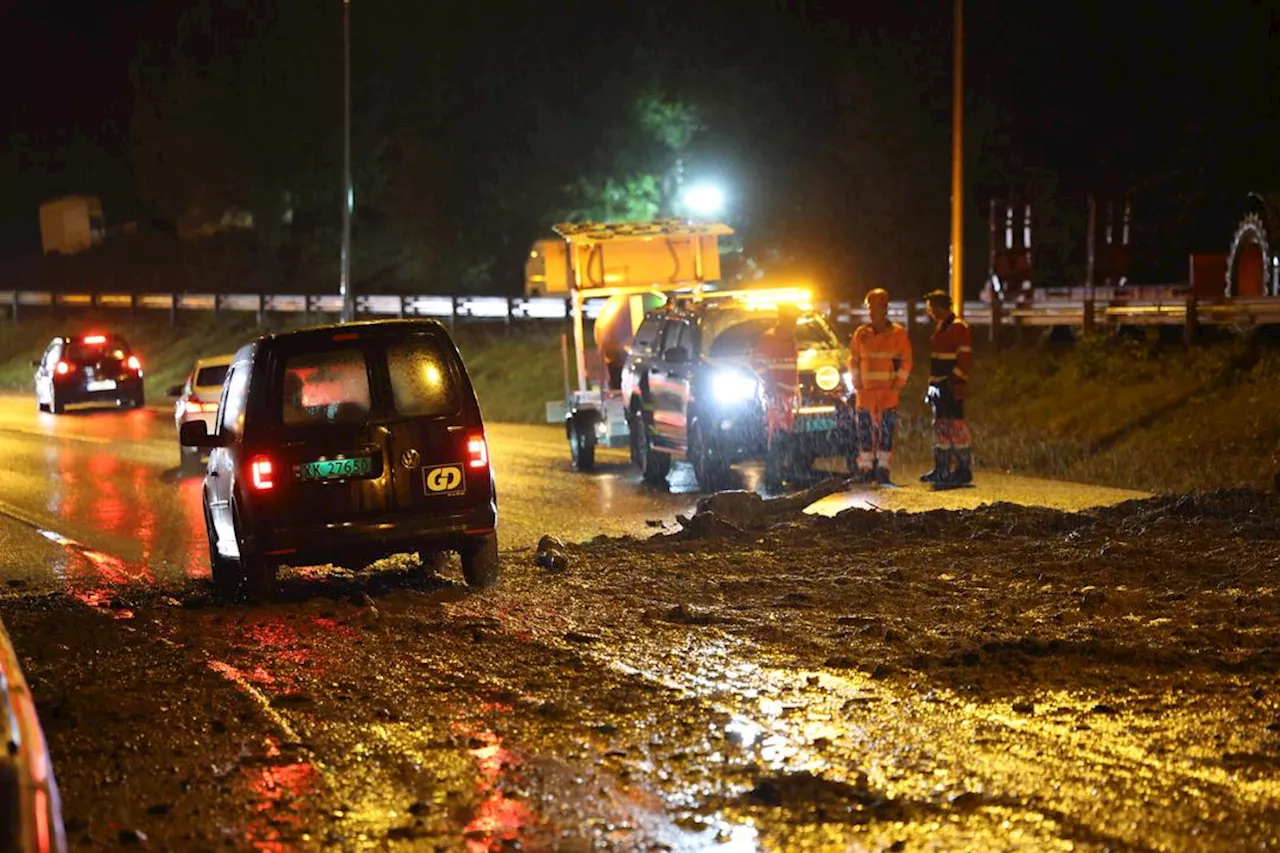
point(999, 592)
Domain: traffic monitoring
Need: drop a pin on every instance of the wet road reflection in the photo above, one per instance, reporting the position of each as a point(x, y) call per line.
point(110, 479)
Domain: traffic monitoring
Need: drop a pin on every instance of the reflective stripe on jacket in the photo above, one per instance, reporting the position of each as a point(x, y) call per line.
point(880, 364)
point(952, 357)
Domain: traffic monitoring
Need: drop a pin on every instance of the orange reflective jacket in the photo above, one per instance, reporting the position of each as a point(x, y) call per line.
point(952, 357)
point(775, 358)
point(880, 364)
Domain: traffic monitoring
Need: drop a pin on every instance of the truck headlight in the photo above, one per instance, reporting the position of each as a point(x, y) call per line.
point(729, 387)
point(827, 377)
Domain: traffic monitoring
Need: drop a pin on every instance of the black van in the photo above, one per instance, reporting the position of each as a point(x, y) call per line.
point(346, 443)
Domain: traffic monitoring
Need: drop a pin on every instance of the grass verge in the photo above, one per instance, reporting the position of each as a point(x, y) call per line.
point(1126, 411)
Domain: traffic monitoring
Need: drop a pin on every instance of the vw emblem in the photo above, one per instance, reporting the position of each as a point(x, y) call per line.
point(410, 458)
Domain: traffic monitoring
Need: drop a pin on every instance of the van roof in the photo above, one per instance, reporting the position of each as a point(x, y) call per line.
point(360, 328)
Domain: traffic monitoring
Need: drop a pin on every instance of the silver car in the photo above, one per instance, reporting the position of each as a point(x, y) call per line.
point(198, 400)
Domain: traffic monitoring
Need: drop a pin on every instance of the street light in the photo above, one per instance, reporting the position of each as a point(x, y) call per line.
point(704, 199)
point(344, 276)
point(957, 162)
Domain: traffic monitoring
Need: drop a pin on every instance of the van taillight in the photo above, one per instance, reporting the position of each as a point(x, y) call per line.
point(477, 452)
point(134, 364)
point(262, 472)
point(63, 368)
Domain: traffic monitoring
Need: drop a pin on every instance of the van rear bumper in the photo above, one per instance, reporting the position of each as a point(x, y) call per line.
point(372, 538)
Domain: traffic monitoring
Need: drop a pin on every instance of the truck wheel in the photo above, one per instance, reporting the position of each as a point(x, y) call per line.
point(582, 441)
point(480, 567)
point(654, 464)
point(709, 469)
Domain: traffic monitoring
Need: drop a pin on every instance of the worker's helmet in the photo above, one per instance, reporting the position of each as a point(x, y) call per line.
point(938, 298)
point(878, 296)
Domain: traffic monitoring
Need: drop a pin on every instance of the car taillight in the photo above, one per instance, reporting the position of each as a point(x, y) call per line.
point(63, 368)
point(95, 339)
point(133, 363)
point(477, 452)
point(262, 472)
point(194, 406)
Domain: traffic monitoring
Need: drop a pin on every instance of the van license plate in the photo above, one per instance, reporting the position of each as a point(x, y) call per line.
point(336, 469)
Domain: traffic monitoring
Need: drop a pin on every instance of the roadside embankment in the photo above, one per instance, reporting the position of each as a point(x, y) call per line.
point(1127, 411)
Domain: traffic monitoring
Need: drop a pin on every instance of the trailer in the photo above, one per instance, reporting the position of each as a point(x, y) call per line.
point(625, 262)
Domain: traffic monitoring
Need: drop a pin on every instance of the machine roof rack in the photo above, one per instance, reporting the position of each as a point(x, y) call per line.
point(597, 232)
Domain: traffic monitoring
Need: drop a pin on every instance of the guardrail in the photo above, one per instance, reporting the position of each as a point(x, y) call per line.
point(1110, 309)
point(30, 808)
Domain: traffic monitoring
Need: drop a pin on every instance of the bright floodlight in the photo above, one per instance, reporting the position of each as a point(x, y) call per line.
point(704, 200)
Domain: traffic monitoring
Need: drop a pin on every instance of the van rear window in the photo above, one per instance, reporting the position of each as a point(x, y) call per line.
point(423, 383)
point(326, 388)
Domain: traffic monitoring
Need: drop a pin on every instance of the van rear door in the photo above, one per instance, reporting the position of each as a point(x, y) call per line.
point(436, 437)
point(334, 462)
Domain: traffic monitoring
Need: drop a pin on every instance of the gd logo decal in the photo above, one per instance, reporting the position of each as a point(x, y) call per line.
point(445, 479)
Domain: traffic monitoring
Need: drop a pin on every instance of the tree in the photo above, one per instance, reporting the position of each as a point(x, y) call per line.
point(235, 111)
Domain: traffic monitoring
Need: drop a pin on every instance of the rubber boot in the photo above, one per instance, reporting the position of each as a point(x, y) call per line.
point(963, 474)
point(941, 462)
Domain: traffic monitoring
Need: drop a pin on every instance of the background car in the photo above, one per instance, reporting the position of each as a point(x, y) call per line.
point(92, 368)
point(345, 444)
point(198, 400)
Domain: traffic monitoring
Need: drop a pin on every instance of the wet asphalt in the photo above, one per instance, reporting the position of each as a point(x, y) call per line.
point(358, 710)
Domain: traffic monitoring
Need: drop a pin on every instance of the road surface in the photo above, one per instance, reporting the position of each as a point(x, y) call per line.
point(370, 711)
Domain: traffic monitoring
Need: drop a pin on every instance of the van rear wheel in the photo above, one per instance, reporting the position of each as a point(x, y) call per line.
point(480, 567)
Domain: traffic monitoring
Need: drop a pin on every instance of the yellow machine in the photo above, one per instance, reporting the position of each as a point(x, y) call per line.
point(627, 259)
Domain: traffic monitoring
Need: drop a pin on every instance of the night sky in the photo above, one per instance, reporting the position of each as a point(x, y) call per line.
point(1179, 99)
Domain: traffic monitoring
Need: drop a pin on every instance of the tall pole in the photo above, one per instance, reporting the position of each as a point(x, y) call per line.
point(344, 280)
point(957, 164)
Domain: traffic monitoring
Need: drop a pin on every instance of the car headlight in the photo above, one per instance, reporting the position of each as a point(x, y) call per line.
point(827, 377)
point(731, 387)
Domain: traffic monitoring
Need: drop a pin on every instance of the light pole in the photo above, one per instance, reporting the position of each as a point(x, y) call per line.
point(957, 164)
point(344, 277)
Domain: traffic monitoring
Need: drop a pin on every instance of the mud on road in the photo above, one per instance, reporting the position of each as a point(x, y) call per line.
point(997, 678)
